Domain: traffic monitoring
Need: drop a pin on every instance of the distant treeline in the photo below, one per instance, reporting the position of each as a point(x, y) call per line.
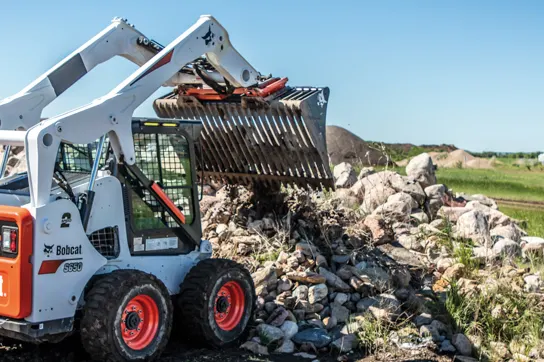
point(489, 154)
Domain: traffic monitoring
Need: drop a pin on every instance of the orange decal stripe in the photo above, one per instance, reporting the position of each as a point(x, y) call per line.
point(50, 266)
point(169, 203)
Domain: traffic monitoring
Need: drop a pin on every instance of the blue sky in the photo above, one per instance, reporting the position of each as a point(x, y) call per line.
point(465, 72)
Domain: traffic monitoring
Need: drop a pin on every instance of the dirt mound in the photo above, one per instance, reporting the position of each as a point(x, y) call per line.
point(458, 158)
point(344, 146)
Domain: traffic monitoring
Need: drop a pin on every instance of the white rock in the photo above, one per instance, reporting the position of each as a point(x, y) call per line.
point(421, 169)
point(473, 225)
point(506, 247)
point(494, 217)
point(301, 292)
point(375, 196)
point(344, 175)
point(366, 171)
point(397, 207)
point(510, 231)
point(533, 283)
point(317, 292)
point(420, 216)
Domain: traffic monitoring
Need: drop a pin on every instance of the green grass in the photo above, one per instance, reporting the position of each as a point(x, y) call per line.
point(532, 218)
point(513, 184)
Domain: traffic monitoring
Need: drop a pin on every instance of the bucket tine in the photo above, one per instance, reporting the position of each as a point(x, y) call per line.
point(273, 141)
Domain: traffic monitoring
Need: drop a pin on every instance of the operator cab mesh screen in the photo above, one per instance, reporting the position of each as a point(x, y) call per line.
point(164, 158)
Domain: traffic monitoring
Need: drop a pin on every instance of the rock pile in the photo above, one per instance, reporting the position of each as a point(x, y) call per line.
point(381, 247)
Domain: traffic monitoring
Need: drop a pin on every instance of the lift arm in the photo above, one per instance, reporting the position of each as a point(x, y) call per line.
point(113, 113)
point(24, 109)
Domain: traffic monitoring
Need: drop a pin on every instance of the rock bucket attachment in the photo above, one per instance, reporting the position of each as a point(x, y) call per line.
point(251, 140)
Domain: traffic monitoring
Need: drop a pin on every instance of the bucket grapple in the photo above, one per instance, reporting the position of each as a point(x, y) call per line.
point(258, 137)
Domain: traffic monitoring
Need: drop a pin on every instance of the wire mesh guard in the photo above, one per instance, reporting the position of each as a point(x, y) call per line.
point(80, 157)
point(106, 241)
point(163, 158)
point(279, 141)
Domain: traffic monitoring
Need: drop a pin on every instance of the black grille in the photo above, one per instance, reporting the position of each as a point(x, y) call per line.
point(106, 241)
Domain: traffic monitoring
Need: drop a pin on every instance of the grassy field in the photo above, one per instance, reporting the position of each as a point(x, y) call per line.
point(507, 183)
point(504, 183)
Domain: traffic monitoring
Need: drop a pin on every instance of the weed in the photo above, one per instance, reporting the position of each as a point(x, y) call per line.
point(498, 314)
point(372, 334)
point(462, 252)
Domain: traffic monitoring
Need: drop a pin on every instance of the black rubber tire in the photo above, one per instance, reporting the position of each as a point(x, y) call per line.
point(197, 298)
point(104, 303)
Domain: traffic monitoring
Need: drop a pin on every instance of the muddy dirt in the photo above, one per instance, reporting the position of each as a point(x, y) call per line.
point(70, 350)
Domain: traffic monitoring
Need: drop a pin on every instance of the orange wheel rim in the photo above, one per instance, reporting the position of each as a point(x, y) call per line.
point(140, 322)
point(229, 306)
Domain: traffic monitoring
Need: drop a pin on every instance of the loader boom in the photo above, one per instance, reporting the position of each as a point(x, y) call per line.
point(120, 38)
point(113, 113)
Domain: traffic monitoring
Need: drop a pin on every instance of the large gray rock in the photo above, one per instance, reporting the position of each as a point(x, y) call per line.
point(334, 281)
point(435, 198)
point(317, 292)
point(423, 319)
point(473, 225)
point(483, 200)
point(344, 175)
point(269, 334)
point(289, 329)
point(383, 178)
point(346, 198)
point(452, 214)
point(397, 207)
point(410, 187)
point(339, 312)
point(375, 196)
point(316, 336)
point(266, 277)
point(346, 343)
point(286, 347)
point(421, 169)
point(341, 298)
point(506, 247)
point(387, 307)
point(419, 216)
point(301, 292)
point(462, 343)
point(494, 217)
point(374, 275)
point(510, 231)
point(365, 303)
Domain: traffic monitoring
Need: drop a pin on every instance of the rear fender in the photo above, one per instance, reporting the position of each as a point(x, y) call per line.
point(64, 261)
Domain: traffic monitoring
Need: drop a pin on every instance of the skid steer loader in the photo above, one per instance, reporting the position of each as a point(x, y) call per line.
point(102, 234)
